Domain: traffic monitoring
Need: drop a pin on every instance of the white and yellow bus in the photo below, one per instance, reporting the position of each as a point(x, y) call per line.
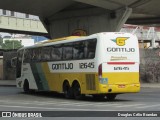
point(103, 64)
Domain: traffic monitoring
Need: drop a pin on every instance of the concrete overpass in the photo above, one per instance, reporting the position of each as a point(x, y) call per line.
point(21, 25)
point(62, 18)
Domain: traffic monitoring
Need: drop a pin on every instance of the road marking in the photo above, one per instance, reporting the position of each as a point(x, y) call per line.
point(98, 105)
point(40, 103)
point(64, 103)
point(130, 105)
point(61, 103)
point(63, 109)
point(148, 106)
point(81, 104)
point(45, 103)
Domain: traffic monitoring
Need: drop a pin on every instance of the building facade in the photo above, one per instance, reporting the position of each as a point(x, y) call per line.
point(17, 14)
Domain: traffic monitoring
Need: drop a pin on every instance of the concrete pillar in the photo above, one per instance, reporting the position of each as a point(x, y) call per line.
point(153, 40)
point(90, 20)
point(121, 17)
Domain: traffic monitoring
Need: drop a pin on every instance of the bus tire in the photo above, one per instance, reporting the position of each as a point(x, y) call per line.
point(68, 92)
point(26, 86)
point(77, 90)
point(111, 97)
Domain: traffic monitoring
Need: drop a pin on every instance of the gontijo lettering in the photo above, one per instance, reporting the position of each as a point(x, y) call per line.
point(62, 66)
point(113, 49)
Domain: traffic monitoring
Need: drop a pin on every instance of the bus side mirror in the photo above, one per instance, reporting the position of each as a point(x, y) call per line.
point(14, 62)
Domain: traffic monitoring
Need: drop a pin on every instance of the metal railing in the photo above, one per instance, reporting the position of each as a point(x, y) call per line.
point(143, 33)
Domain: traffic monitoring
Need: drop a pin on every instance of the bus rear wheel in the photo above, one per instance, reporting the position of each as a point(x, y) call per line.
point(68, 92)
point(77, 91)
point(26, 86)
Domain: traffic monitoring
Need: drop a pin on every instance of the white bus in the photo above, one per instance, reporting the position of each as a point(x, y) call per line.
point(103, 65)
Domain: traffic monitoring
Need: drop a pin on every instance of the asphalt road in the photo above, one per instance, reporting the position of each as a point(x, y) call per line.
point(13, 99)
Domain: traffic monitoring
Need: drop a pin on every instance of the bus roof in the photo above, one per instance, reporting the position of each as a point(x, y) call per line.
point(68, 38)
point(60, 39)
point(51, 41)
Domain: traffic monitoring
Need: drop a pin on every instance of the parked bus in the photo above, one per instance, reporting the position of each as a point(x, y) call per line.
point(103, 65)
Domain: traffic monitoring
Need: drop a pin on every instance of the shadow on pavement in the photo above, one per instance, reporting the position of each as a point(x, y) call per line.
point(55, 95)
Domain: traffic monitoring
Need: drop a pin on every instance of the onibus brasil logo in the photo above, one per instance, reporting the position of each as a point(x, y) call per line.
point(120, 41)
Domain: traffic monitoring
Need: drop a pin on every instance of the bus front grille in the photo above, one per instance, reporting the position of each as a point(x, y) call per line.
point(90, 82)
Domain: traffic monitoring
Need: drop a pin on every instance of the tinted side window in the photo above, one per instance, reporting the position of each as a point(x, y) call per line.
point(46, 53)
point(27, 55)
point(56, 52)
point(20, 55)
point(68, 51)
point(78, 50)
point(90, 48)
point(84, 49)
point(38, 55)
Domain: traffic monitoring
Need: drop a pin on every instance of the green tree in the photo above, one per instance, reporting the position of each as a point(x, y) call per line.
point(12, 44)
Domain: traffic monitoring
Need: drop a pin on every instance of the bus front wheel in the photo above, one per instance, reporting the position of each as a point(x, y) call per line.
point(26, 86)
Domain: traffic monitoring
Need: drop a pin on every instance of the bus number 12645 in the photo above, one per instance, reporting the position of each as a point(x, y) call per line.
point(86, 65)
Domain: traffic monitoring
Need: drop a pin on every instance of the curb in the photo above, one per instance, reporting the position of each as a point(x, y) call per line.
point(7, 85)
point(150, 85)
